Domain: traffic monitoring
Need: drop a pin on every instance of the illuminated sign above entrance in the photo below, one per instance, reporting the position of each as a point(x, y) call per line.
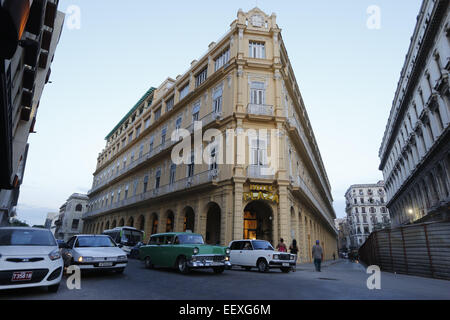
point(261, 192)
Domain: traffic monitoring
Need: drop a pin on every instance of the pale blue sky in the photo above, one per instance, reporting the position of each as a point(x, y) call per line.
point(347, 75)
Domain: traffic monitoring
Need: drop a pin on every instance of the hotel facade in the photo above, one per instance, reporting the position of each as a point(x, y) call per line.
point(415, 151)
point(240, 105)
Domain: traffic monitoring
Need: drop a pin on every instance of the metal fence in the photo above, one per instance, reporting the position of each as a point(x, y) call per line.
point(419, 249)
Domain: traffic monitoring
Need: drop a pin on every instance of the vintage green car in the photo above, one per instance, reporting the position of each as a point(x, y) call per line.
point(184, 251)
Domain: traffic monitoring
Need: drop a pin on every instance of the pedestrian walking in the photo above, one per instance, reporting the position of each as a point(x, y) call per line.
point(334, 256)
point(294, 250)
point(281, 246)
point(317, 255)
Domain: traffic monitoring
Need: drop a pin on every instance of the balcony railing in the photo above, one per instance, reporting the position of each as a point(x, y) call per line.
point(182, 184)
point(260, 172)
point(210, 117)
point(301, 184)
point(260, 109)
point(293, 122)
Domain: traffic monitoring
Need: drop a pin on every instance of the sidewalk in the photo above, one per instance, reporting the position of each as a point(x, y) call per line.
point(309, 266)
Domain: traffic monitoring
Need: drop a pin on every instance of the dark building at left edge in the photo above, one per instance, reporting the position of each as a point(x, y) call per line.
point(29, 33)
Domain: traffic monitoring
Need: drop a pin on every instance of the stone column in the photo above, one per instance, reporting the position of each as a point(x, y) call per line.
point(238, 217)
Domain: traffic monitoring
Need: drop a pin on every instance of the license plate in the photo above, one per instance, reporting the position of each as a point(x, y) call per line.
point(285, 264)
point(105, 264)
point(22, 276)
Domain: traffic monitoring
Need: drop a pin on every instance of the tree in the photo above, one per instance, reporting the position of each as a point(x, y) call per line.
point(18, 223)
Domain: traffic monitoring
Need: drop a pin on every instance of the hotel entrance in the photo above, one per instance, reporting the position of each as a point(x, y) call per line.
point(258, 217)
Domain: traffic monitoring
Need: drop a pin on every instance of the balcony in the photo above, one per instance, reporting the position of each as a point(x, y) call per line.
point(260, 109)
point(260, 172)
point(180, 185)
point(168, 143)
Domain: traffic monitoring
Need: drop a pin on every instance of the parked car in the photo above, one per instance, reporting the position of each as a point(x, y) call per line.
point(29, 257)
point(259, 254)
point(134, 252)
point(94, 252)
point(184, 251)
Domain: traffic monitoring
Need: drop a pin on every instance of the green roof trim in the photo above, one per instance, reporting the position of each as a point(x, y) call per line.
point(144, 97)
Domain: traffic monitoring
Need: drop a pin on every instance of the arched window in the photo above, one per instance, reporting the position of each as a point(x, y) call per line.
point(79, 207)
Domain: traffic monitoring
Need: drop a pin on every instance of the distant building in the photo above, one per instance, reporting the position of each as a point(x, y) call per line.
point(30, 32)
point(415, 151)
point(50, 221)
point(69, 221)
point(366, 211)
point(343, 234)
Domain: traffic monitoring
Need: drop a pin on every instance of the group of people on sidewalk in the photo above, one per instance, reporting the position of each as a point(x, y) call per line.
point(317, 252)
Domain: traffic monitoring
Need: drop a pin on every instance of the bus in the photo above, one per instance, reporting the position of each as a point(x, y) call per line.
point(125, 237)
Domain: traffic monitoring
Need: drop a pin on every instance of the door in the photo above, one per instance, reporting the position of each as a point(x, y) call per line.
point(66, 253)
point(247, 254)
point(236, 253)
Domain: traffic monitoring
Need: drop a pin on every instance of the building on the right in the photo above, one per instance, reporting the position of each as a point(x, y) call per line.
point(415, 151)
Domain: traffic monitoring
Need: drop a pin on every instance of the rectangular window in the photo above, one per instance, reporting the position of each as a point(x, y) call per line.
point(145, 183)
point(191, 166)
point(75, 223)
point(217, 101)
point(157, 114)
point(158, 179)
point(178, 123)
point(138, 131)
point(201, 77)
point(184, 91)
point(173, 170)
point(163, 135)
point(141, 150)
point(136, 182)
point(196, 112)
point(147, 123)
point(258, 152)
point(169, 104)
point(124, 142)
point(257, 50)
point(126, 192)
point(152, 140)
point(222, 59)
point(132, 157)
point(124, 162)
point(130, 137)
point(257, 93)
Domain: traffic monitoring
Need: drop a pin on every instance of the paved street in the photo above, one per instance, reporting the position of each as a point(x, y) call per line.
point(341, 280)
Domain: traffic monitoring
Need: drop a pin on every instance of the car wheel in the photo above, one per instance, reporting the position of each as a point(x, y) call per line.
point(182, 265)
point(285, 270)
point(262, 265)
point(148, 263)
point(54, 288)
point(219, 269)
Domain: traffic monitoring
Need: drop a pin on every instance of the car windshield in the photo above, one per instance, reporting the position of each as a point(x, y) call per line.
point(86, 242)
point(131, 237)
point(190, 239)
point(24, 237)
point(262, 245)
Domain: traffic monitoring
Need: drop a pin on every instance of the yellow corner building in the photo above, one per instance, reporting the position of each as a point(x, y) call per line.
point(244, 82)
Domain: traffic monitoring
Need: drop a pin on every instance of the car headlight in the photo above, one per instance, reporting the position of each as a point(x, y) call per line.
point(276, 256)
point(54, 255)
point(122, 258)
point(292, 257)
point(227, 258)
point(196, 250)
point(85, 259)
point(227, 251)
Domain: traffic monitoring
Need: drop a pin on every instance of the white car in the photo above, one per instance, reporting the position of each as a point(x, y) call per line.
point(29, 257)
point(259, 254)
point(94, 252)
